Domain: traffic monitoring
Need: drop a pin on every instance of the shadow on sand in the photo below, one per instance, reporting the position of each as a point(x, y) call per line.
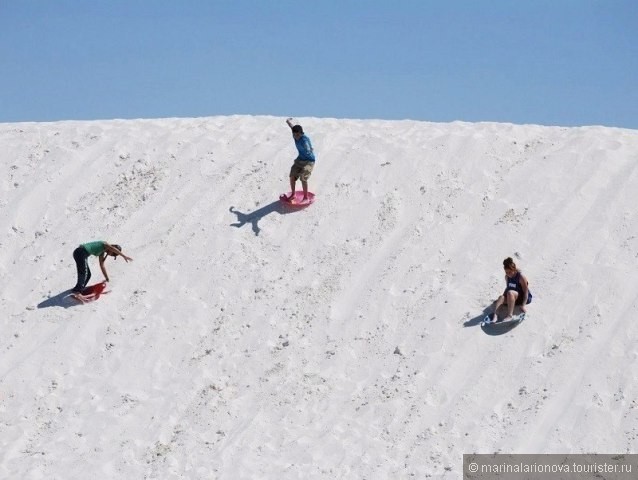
point(65, 300)
point(62, 299)
point(254, 217)
point(473, 322)
point(494, 329)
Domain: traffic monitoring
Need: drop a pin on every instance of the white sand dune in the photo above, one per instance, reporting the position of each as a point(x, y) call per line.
point(340, 341)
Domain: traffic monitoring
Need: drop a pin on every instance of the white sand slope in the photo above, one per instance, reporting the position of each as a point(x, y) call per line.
point(339, 341)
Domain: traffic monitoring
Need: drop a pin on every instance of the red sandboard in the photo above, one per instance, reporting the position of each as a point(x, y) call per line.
point(91, 293)
point(297, 200)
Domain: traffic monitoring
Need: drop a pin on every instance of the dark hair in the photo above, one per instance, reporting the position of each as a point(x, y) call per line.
point(297, 129)
point(118, 248)
point(509, 263)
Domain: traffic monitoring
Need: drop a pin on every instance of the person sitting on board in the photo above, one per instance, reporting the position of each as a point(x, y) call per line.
point(516, 291)
point(81, 255)
point(303, 164)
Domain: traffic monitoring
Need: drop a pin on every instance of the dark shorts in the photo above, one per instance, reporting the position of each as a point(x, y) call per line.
point(301, 169)
point(519, 298)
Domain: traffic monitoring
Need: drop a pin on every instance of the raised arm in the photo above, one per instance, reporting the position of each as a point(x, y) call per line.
point(289, 122)
point(111, 250)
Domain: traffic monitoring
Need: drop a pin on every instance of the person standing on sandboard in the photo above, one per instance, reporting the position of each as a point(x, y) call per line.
point(303, 164)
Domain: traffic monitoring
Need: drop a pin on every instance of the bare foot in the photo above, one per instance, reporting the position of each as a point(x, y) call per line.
point(79, 297)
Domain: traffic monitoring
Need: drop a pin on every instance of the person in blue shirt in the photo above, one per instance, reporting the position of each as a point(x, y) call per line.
point(516, 290)
point(303, 164)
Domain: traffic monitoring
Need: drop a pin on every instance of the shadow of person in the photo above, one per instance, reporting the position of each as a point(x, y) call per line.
point(66, 300)
point(495, 329)
point(62, 299)
point(473, 322)
point(498, 328)
point(254, 217)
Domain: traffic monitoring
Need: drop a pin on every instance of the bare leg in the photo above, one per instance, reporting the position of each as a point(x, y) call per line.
point(293, 182)
point(511, 302)
point(305, 190)
point(500, 301)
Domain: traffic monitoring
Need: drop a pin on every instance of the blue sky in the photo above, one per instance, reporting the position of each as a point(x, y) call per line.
point(550, 62)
